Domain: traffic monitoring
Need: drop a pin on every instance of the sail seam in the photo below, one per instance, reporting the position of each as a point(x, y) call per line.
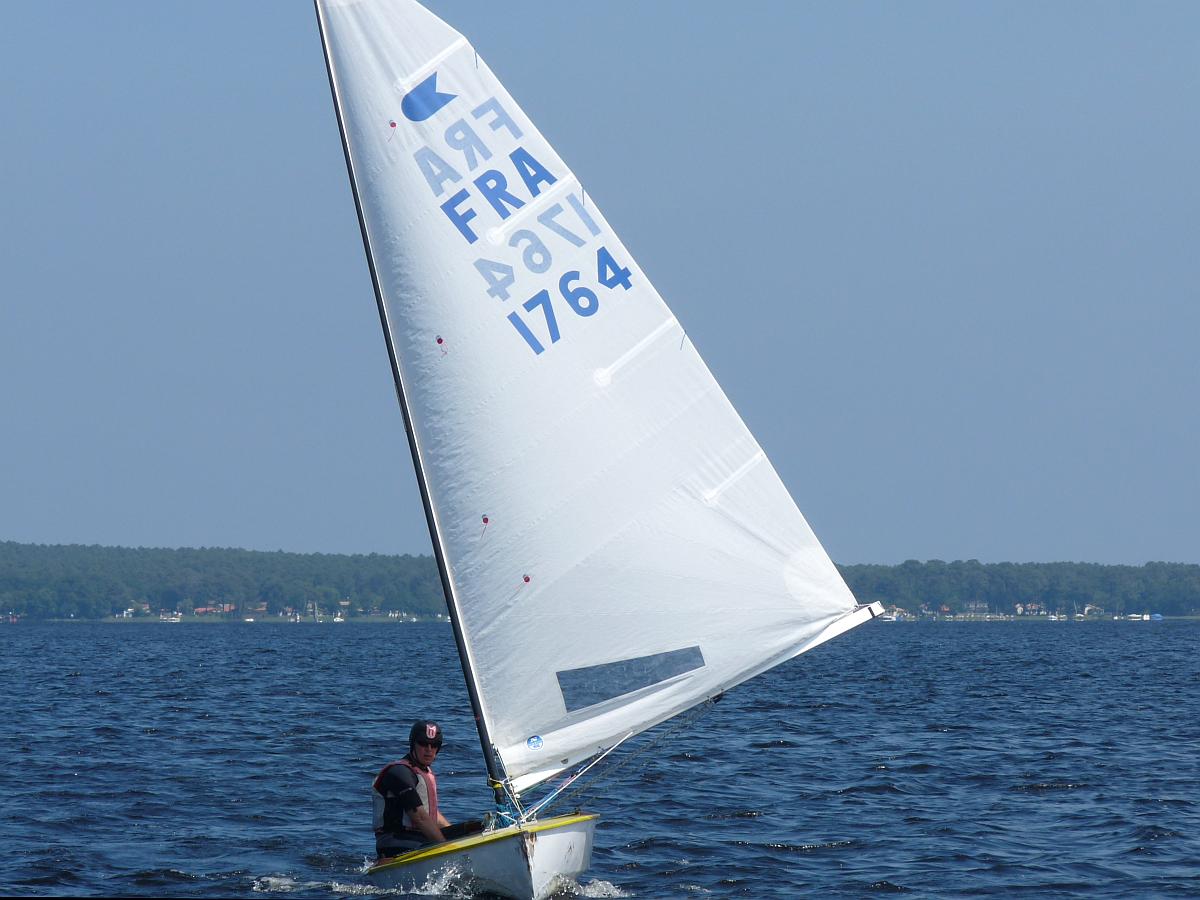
point(713, 495)
point(499, 233)
point(404, 85)
point(603, 377)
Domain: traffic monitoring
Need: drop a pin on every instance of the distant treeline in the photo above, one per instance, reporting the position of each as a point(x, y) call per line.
point(1172, 589)
point(38, 581)
point(58, 582)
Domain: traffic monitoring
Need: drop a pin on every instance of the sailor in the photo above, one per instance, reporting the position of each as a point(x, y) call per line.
point(404, 795)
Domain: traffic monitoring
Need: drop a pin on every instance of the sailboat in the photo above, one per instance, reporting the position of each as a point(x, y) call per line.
point(614, 546)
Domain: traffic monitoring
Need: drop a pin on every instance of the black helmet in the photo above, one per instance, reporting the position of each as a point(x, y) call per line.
point(425, 730)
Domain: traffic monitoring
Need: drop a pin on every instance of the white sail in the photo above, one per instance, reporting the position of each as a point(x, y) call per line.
point(618, 547)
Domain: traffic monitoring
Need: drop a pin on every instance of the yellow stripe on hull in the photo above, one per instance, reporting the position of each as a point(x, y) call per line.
point(425, 854)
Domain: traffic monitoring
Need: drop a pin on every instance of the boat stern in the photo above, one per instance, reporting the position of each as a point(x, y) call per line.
point(559, 850)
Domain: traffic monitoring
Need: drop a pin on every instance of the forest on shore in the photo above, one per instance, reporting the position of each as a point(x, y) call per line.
point(91, 582)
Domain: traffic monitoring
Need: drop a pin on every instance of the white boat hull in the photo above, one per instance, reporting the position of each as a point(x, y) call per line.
point(523, 862)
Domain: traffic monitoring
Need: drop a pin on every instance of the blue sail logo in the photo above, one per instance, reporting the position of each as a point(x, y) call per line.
point(424, 100)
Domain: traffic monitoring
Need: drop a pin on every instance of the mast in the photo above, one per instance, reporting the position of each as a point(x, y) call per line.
point(495, 771)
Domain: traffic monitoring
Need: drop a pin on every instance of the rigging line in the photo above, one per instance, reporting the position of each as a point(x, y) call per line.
point(625, 768)
point(514, 801)
point(570, 781)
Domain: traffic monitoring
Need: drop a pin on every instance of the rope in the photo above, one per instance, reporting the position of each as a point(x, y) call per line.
point(549, 798)
point(625, 768)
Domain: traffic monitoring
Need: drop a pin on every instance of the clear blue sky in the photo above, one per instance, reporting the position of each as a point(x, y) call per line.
point(943, 257)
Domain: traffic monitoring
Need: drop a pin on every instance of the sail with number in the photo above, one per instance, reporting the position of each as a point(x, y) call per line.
point(615, 546)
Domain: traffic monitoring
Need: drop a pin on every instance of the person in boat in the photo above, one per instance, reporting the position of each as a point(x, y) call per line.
point(404, 796)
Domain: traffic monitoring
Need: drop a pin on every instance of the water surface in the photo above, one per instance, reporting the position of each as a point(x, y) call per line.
point(1048, 760)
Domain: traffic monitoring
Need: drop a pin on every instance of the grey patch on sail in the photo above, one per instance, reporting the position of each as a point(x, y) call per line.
point(590, 685)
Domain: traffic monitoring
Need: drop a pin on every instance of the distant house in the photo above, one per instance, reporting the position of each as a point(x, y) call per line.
point(975, 608)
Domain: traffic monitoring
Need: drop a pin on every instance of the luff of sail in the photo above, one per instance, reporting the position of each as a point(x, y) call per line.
point(617, 547)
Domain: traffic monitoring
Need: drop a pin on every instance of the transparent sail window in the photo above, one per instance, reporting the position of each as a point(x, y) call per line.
point(595, 684)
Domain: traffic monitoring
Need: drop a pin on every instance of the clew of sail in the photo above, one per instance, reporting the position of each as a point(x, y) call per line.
point(616, 547)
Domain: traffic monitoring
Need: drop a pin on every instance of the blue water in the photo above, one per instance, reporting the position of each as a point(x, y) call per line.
point(1046, 760)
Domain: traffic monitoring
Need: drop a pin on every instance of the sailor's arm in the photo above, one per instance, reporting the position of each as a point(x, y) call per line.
point(442, 821)
point(425, 824)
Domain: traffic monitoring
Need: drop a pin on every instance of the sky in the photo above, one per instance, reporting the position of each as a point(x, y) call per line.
point(943, 257)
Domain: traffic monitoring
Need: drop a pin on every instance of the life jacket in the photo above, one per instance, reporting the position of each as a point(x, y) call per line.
point(426, 790)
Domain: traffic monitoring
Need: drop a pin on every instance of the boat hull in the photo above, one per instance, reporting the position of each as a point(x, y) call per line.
point(523, 862)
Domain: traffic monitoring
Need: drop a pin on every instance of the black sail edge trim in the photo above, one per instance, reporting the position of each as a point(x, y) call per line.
point(491, 759)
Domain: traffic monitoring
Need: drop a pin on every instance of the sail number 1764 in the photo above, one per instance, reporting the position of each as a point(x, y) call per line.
point(581, 299)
